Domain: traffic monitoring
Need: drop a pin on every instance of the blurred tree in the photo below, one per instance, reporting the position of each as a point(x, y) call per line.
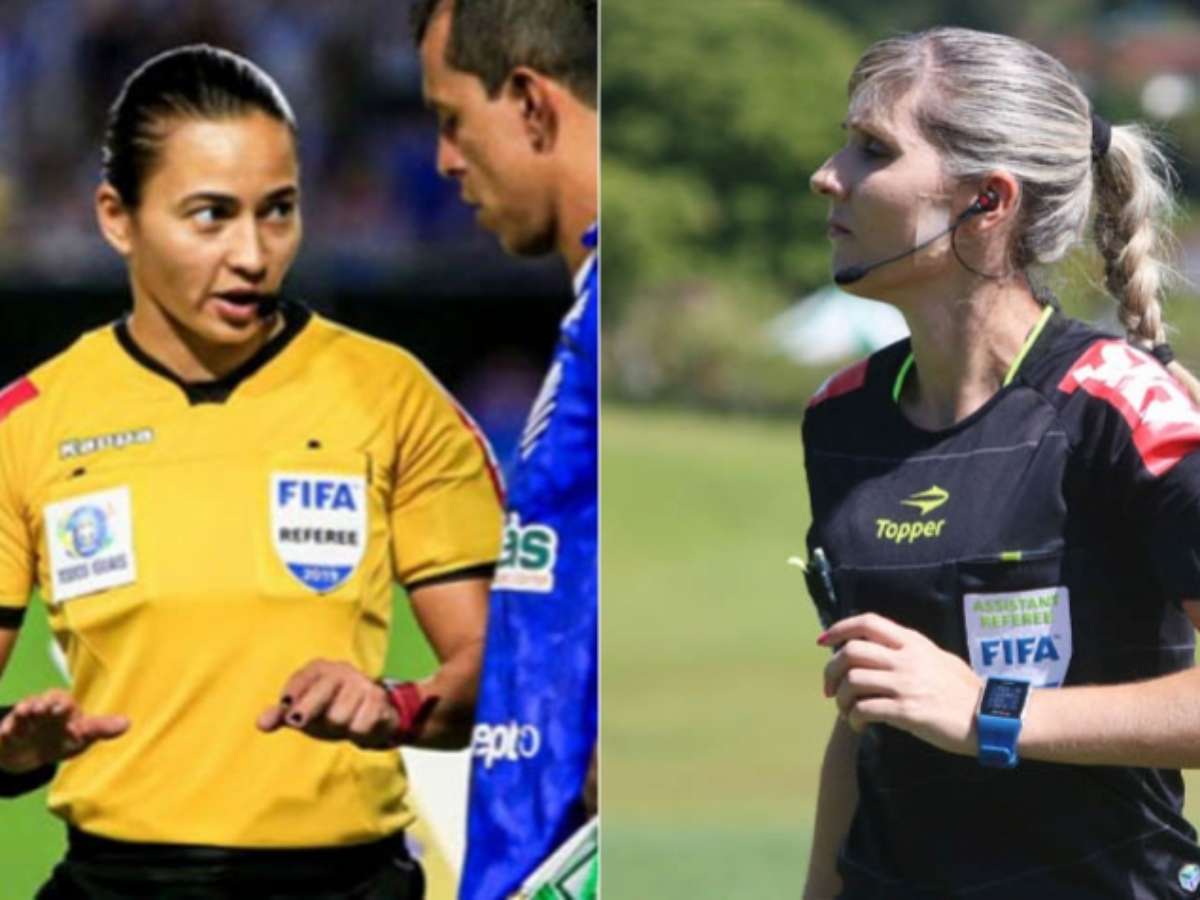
point(1023, 18)
point(714, 118)
point(716, 114)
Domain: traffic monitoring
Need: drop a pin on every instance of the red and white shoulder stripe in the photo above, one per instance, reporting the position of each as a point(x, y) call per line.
point(495, 473)
point(16, 394)
point(843, 382)
point(1164, 420)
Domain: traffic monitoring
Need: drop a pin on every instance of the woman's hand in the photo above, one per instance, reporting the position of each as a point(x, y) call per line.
point(49, 727)
point(334, 701)
point(883, 672)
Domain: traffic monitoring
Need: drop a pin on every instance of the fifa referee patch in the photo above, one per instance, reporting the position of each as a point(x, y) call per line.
point(90, 540)
point(319, 526)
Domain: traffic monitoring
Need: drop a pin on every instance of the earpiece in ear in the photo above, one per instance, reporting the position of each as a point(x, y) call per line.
point(987, 201)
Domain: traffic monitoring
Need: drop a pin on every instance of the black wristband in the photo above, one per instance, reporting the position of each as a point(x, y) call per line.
point(13, 784)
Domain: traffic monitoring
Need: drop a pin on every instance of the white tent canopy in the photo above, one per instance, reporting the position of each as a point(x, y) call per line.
point(830, 325)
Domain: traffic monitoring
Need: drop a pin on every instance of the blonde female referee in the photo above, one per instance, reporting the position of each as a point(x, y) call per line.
point(1008, 500)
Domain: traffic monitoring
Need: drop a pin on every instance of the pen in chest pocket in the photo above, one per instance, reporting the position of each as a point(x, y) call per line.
point(818, 575)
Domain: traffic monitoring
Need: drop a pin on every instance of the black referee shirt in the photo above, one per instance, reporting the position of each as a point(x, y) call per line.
point(1050, 535)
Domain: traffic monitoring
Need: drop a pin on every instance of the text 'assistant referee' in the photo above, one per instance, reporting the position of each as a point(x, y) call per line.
point(319, 526)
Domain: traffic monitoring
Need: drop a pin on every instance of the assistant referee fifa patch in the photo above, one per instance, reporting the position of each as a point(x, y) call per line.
point(1020, 634)
point(319, 526)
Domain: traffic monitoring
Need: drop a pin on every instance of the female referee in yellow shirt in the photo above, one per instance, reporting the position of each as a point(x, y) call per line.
point(215, 497)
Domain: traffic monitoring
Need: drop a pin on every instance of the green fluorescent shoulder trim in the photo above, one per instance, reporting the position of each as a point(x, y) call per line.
point(900, 376)
point(1010, 556)
point(1029, 341)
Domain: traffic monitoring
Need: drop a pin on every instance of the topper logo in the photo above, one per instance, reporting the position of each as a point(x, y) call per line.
point(316, 494)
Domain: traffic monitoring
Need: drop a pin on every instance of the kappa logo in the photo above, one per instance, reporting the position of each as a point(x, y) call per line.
point(928, 500)
point(505, 742)
point(117, 440)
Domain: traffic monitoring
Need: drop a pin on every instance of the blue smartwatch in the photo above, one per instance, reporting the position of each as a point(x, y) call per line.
point(998, 721)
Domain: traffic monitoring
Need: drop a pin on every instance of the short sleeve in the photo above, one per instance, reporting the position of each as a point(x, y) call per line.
point(1143, 434)
point(16, 543)
point(447, 497)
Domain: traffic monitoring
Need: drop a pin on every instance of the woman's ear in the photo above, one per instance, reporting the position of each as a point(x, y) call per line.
point(114, 218)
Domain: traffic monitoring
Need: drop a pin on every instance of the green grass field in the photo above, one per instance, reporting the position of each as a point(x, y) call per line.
point(31, 840)
point(713, 720)
point(712, 714)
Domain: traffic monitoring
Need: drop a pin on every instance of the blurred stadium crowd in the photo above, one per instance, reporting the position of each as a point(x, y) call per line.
point(389, 248)
point(372, 198)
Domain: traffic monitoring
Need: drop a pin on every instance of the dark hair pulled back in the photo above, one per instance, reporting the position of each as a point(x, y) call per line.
point(192, 82)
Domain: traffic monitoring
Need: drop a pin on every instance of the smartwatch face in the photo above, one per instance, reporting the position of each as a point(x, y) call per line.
point(1004, 697)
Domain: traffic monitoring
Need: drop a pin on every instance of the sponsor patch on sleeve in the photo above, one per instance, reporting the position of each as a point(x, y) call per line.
point(90, 540)
point(1020, 634)
point(319, 526)
point(1164, 421)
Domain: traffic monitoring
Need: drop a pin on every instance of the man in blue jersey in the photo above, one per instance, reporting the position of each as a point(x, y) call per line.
point(514, 84)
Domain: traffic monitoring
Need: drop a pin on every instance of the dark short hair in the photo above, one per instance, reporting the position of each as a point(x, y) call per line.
point(197, 82)
point(490, 38)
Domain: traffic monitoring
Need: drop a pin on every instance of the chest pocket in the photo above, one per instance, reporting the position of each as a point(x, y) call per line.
point(923, 597)
point(1016, 614)
point(217, 529)
point(1006, 614)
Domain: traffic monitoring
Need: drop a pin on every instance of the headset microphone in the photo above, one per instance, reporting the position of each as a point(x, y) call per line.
point(268, 305)
point(985, 202)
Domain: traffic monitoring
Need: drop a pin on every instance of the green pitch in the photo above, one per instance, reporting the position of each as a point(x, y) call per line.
point(31, 840)
point(712, 715)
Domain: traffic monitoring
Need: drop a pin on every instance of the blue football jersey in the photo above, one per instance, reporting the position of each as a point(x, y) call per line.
point(536, 722)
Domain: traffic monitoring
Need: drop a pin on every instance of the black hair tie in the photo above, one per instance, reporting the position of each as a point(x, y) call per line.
point(1163, 353)
point(1101, 137)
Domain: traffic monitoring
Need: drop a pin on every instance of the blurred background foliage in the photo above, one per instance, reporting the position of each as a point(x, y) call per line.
point(715, 115)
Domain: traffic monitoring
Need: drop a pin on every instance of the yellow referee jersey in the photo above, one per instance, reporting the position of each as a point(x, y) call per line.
point(196, 545)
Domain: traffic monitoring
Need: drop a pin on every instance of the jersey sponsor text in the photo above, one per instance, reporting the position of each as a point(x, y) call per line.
point(528, 556)
point(118, 440)
point(505, 742)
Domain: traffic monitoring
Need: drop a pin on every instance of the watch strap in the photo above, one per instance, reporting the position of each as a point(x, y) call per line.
point(998, 741)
